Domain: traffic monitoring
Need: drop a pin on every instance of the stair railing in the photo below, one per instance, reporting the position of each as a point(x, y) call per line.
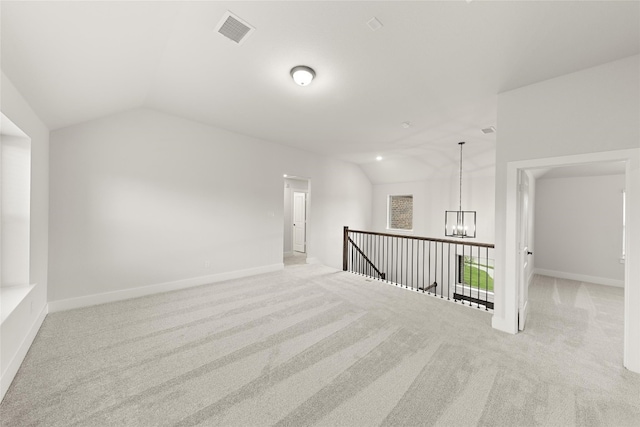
point(456, 269)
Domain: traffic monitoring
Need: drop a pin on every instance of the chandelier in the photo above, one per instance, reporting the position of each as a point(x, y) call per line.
point(460, 223)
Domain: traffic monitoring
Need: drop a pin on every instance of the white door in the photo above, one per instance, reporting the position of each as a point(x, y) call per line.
point(523, 248)
point(299, 221)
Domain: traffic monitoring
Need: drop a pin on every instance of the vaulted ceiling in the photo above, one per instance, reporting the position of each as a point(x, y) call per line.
point(438, 65)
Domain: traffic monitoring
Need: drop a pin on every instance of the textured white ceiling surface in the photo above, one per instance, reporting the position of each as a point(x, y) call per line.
point(439, 65)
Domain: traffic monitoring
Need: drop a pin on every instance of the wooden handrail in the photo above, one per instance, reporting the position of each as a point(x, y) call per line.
point(428, 239)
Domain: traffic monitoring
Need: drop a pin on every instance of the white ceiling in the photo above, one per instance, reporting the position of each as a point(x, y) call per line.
point(438, 65)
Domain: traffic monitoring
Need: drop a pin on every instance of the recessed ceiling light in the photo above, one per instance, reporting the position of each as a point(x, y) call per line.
point(378, 158)
point(302, 75)
point(406, 125)
point(285, 175)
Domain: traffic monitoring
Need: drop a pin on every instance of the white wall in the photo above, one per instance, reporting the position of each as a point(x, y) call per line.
point(291, 186)
point(144, 198)
point(432, 198)
point(591, 114)
point(20, 327)
point(579, 228)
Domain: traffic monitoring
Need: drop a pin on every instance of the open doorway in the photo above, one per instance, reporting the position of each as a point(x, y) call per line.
point(15, 213)
point(296, 214)
point(577, 293)
point(565, 278)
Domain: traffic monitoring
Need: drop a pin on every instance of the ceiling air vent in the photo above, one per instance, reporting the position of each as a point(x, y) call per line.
point(490, 129)
point(234, 28)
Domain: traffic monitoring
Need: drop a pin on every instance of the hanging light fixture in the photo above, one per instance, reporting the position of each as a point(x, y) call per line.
point(302, 74)
point(460, 223)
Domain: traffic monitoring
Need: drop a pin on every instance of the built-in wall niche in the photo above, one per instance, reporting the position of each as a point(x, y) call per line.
point(15, 197)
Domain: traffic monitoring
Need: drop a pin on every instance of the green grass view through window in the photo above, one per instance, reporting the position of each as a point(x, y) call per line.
point(477, 274)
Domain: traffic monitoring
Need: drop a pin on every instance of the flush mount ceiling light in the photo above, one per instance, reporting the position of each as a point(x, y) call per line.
point(302, 74)
point(378, 158)
point(460, 223)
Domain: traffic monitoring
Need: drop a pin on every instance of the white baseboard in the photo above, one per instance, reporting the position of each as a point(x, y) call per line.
point(581, 277)
point(19, 356)
point(85, 301)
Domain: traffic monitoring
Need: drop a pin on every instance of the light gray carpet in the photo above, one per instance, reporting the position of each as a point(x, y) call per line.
point(313, 346)
point(295, 258)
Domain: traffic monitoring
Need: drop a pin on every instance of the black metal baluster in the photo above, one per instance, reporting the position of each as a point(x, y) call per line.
point(365, 250)
point(478, 275)
point(449, 271)
point(349, 254)
point(465, 266)
point(386, 258)
point(416, 258)
point(405, 263)
point(360, 243)
point(368, 255)
point(429, 281)
point(464, 272)
point(424, 254)
point(416, 261)
point(373, 256)
point(352, 256)
point(378, 266)
point(365, 240)
point(356, 240)
point(486, 283)
point(441, 284)
point(395, 255)
point(441, 268)
point(389, 256)
point(360, 260)
point(410, 269)
point(401, 260)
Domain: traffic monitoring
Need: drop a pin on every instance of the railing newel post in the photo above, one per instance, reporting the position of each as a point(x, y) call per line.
point(345, 246)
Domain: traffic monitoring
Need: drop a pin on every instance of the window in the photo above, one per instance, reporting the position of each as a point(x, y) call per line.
point(475, 272)
point(400, 216)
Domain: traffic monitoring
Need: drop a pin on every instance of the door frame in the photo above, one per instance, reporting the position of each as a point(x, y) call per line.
point(524, 240)
point(288, 227)
point(293, 210)
point(510, 299)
